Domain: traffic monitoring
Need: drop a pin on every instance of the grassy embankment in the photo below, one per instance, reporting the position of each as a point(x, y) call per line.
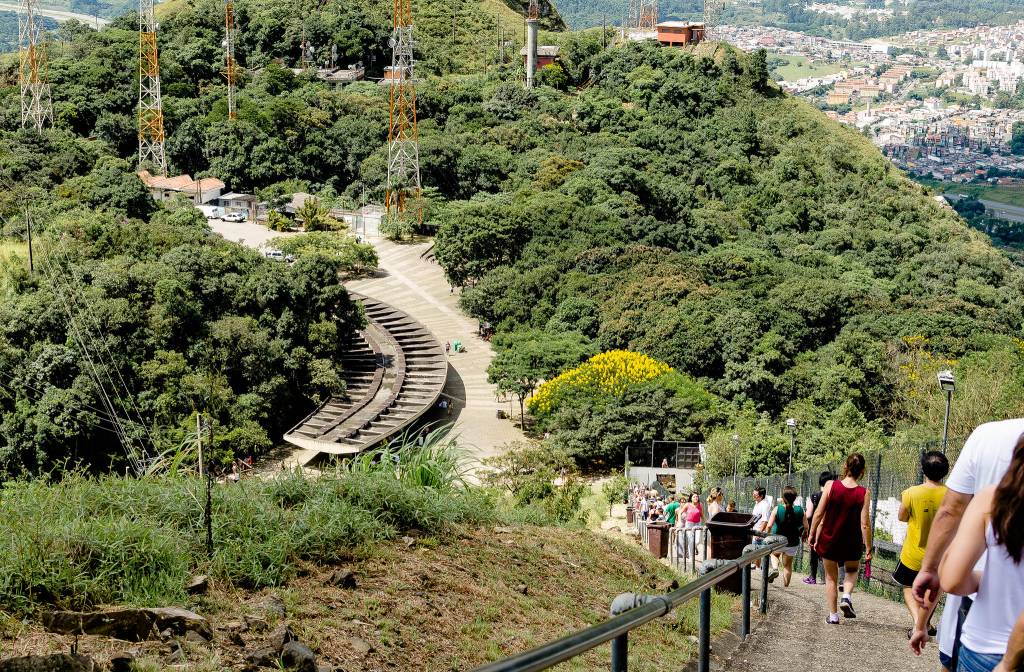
point(987, 192)
point(798, 67)
point(441, 569)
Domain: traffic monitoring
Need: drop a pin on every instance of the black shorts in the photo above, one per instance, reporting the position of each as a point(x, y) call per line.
point(904, 575)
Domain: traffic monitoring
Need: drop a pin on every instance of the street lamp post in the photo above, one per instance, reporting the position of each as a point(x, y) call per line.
point(791, 423)
point(735, 462)
point(947, 383)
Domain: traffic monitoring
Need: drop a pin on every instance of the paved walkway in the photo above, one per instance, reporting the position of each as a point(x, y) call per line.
point(797, 638)
point(416, 285)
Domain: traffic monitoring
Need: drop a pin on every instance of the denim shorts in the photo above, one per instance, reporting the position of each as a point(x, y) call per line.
point(977, 662)
point(946, 661)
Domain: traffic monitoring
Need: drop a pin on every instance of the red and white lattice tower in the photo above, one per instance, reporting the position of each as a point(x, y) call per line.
point(36, 103)
point(151, 112)
point(403, 134)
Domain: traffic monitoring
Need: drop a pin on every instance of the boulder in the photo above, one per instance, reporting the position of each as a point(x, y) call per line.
point(262, 657)
point(179, 621)
point(344, 578)
point(358, 645)
point(273, 605)
point(280, 636)
point(122, 662)
point(133, 625)
point(198, 585)
point(58, 662)
point(297, 656)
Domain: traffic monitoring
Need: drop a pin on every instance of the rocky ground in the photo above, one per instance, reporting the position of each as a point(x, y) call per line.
point(419, 604)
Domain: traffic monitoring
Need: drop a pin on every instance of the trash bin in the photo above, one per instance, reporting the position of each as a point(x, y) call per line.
point(730, 533)
point(657, 539)
point(629, 515)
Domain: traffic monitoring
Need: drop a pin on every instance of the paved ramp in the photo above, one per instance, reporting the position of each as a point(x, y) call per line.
point(797, 638)
point(413, 282)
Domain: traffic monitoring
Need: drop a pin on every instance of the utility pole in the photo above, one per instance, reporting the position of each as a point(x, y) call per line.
point(403, 134)
point(151, 113)
point(28, 222)
point(230, 66)
point(36, 103)
point(199, 440)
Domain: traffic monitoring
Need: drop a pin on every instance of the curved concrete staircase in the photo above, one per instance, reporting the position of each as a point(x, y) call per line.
point(394, 375)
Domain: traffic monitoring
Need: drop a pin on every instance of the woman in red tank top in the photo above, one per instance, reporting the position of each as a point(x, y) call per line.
point(840, 532)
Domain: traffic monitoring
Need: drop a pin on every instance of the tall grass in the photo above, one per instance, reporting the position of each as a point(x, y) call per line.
point(84, 541)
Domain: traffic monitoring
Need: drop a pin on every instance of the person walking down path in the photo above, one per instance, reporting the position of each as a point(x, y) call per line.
point(986, 456)
point(789, 521)
point(693, 516)
point(840, 532)
point(993, 526)
point(716, 501)
point(762, 509)
point(918, 506)
point(671, 509)
point(823, 479)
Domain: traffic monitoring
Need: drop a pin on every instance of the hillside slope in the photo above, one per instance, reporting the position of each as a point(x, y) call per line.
point(684, 208)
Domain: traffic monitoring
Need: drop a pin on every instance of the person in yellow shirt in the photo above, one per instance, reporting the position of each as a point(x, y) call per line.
point(918, 508)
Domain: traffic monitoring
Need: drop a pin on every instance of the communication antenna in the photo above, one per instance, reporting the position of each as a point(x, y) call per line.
point(230, 65)
point(36, 103)
point(403, 135)
point(151, 113)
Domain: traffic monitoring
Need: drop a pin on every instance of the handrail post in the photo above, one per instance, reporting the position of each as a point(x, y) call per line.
point(620, 653)
point(765, 563)
point(704, 632)
point(745, 623)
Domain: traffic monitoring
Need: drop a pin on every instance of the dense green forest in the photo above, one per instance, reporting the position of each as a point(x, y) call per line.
point(684, 208)
point(907, 15)
point(663, 201)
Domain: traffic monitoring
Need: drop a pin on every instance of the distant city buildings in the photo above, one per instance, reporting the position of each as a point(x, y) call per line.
point(930, 100)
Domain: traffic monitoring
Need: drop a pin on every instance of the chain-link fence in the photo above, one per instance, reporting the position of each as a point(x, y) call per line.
point(889, 472)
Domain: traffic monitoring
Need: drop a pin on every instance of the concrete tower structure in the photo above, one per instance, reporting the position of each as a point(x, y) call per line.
point(532, 19)
point(36, 103)
point(151, 112)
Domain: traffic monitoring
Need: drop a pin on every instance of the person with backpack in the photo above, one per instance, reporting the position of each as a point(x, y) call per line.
point(823, 480)
point(789, 521)
point(840, 533)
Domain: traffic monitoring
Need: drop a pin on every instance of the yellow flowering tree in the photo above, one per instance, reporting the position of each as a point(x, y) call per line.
point(604, 376)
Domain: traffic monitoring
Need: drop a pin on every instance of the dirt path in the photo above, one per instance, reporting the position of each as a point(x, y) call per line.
point(797, 638)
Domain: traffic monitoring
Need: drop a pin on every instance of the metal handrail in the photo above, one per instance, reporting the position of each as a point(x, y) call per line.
point(652, 607)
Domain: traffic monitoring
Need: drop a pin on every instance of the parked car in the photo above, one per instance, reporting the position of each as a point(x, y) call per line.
point(274, 255)
point(234, 217)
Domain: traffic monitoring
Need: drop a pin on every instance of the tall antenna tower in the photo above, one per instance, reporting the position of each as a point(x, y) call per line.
point(647, 15)
point(712, 18)
point(230, 66)
point(36, 104)
point(403, 135)
point(151, 113)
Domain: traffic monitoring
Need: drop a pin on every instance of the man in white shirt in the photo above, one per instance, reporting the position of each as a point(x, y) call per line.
point(762, 510)
point(983, 462)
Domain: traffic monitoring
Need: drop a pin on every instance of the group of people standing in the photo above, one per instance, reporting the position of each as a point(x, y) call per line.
point(965, 537)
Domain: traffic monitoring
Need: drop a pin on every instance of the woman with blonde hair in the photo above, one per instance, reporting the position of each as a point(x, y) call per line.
point(716, 501)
